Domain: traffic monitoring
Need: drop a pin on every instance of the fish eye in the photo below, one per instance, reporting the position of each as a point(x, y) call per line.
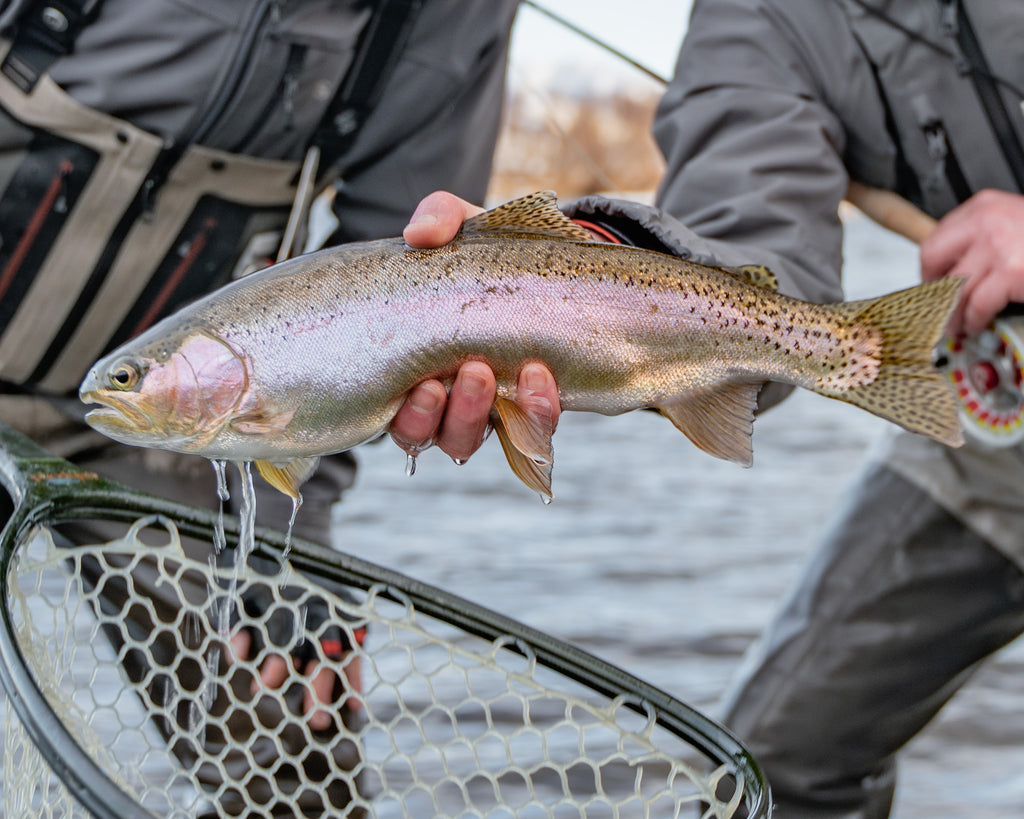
point(124, 375)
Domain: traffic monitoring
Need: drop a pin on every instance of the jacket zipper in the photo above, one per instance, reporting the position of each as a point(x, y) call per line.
point(957, 26)
point(173, 152)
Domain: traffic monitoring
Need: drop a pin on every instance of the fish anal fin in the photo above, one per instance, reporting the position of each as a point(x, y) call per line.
point(527, 420)
point(535, 214)
point(756, 274)
point(718, 419)
point(288, 477)
point(524, 429)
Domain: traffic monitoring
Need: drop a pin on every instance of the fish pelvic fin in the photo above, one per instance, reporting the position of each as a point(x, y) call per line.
point(536, 214)
point(718, 419)
point(288, 477)
point(524, 429)
point(908, 390)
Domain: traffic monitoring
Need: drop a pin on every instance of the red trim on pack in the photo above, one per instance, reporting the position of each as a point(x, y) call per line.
point(195, 247)
point(600, 231)
point(332, 648)
point(35, 225)
point(336, 648)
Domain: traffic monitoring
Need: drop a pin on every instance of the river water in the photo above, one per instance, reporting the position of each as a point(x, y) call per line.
point(667, 562)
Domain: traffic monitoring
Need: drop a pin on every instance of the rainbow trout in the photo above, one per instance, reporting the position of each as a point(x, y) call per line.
point(315, 355)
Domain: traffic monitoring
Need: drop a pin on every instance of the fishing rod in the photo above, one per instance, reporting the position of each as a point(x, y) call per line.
point(586, 35)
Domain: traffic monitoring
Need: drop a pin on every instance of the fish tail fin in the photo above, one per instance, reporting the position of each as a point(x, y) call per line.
point(908, 389)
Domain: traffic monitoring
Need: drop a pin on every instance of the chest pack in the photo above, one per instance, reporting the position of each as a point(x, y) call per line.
point(106, 227)
point(951, 73)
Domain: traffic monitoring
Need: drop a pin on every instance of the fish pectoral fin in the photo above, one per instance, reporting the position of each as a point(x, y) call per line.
point(718, 420)
point(524, 429)
point(260, 421)
point(288, 477)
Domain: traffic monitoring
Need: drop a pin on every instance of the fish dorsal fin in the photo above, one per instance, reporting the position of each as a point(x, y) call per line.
point(524, 430)
point(288, 477)
point(718, 419)
point(755, 274)
point(536, 214)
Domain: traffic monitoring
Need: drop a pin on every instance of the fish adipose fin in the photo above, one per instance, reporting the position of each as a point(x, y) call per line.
point(718, 419)
point(536, 214)
point(524, 429)
point(755, 274)
point(289, 477)
point(908, 390)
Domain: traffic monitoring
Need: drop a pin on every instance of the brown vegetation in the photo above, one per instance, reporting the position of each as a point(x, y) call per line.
point(576, 145)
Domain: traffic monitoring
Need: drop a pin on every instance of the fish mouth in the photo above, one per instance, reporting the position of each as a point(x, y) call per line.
point(114, 412)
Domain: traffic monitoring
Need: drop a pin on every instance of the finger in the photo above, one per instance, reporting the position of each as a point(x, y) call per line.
point(318, 695)
point(973, 268)
point(437, 219)
point(469, 407)
point(241, 643)
point(354, 677)
point(983, 303)
point(415, 426)
point(274, 672)
point(989, 295)
point(943, 250)
point(536, 379)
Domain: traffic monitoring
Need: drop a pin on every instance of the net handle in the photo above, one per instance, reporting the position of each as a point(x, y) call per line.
point(31, 476)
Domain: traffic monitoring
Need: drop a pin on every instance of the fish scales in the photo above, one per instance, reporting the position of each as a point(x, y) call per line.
point(316, 355)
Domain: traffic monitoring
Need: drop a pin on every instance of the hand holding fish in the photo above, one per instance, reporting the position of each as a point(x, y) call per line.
point(982, 242)
point(455, 422)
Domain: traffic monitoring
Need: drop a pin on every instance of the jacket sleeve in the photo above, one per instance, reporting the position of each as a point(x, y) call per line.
point(436, 125)
point(754, 129)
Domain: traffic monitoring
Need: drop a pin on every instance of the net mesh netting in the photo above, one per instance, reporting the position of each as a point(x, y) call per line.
point(129, 642)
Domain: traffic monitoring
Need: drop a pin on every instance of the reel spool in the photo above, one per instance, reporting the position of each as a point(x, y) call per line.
point(987, 371)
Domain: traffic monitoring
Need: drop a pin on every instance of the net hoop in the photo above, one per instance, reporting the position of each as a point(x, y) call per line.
point(48, 490)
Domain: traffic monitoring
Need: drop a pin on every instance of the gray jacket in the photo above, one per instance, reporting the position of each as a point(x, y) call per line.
point(776, 104)
point(160, 155)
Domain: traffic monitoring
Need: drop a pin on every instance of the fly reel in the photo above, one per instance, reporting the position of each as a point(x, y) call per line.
point(987, 372)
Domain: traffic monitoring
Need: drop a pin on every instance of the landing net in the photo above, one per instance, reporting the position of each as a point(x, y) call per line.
point(127, 698)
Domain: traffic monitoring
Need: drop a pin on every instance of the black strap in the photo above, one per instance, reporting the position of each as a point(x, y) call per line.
point(376, 56)
point(43, 33)
point(988, 92)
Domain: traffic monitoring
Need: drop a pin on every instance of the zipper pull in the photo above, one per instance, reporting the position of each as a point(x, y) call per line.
point(148, 198)
point(951, 30)
point(950, 26)
point(169, 155)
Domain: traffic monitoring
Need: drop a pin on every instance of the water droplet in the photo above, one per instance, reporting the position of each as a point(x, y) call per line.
point(247, 515)
point(220, 469)
point(410, 465)
point(296, 503)
point(546, 499)
point(461, 461)
point(219, 538)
